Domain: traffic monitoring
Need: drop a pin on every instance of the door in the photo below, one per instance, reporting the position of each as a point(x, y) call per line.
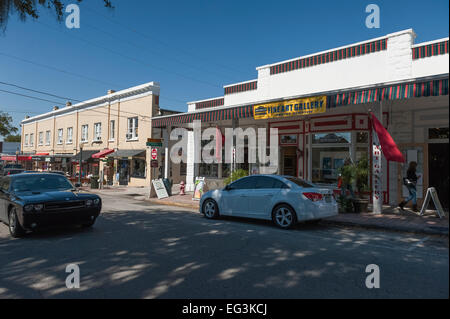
point(235, 200)
point(123, 172)
point(261, 198)
point(289, 158)
point(438, 171)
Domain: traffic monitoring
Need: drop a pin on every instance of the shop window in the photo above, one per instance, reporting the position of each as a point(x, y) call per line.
point(326, 162)
point(332, 138)
point(138, 168)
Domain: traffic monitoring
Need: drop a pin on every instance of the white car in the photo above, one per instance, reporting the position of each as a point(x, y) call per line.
point(283, 199)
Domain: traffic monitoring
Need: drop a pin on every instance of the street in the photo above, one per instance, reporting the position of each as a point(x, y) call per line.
point(141, 250)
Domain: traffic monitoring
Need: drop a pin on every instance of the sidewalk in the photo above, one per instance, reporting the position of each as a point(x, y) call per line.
point(391, 219)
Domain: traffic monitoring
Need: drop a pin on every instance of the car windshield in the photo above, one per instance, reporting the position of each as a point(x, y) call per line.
point(300, 182)
point(40, 183)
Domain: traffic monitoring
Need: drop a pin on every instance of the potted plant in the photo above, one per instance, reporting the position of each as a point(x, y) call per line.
point(345, 204)
point(361, 203)
point(347, 175)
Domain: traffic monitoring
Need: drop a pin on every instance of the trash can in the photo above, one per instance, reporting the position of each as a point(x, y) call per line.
point(168, 185)
point(94, 182)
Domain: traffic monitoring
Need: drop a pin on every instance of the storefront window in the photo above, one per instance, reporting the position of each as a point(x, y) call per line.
point(138, 168)
point(326, 162)
point(332, 138)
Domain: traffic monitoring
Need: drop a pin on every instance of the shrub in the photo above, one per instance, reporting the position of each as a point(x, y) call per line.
point(234, 176)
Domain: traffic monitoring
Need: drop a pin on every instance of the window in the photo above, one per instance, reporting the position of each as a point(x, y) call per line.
point(244, 183)
point(332, 138)
point(133, 128)
point(438, 133)
point(31, 139)
point(97, 131)
point(41, 138)
point(47, 138)
point(26, 139)
point(69, 135)
point(263, 182)
point(112, 130)
point(60, 136)
point(300, 182)
point(84, 133)
point(138, 168)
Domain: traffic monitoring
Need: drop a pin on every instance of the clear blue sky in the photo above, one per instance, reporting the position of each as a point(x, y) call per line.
point(192, 48)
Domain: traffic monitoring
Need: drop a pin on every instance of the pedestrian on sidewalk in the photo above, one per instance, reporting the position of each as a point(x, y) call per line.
point(410, 181)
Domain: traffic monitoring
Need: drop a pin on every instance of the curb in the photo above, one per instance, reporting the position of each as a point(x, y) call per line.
point(157, 202)
point(425, 231)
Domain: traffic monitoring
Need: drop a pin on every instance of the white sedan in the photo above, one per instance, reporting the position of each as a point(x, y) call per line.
point(283, 199)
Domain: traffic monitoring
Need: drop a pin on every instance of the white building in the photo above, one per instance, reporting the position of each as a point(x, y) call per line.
point(403, 83)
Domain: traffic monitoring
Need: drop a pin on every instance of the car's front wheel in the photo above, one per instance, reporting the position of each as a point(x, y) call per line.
point(284, 216)
point(15, 229)
point(210, 209)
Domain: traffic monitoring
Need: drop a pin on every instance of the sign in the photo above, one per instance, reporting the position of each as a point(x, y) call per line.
point(306, 106)
point(432, 194)
point(199, 187)
point(160, 188)
point(377, 180)
point(154, 164)
point(154, 154)
point(154, 144)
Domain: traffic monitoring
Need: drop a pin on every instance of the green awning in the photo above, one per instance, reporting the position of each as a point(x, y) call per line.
point(127, 153)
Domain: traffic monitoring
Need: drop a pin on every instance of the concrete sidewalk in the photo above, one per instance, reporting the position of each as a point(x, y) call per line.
point(391, 219)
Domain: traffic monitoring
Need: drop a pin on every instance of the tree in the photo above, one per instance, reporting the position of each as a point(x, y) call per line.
point(13, 138)
point(6, 127)
point(29, 8)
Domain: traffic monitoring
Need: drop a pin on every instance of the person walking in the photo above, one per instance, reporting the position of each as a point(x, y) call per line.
point(410, 181)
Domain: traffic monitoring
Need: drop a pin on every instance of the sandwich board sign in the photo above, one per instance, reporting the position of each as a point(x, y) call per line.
point(160, 188)
point(432, 195)
point(199, 188)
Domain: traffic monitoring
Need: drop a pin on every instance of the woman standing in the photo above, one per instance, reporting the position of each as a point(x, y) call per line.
point(410, 182)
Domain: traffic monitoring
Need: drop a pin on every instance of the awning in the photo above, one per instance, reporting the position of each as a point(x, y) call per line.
point(42, 154)
point(102, 154)
point(86, 155)
point(406, 90)
point(126, 153)
point(12, 158)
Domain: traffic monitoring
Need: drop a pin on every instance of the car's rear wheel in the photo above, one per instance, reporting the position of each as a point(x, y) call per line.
point(88, 225)
point(15, 229)
point(210, 209)
point(284, 216)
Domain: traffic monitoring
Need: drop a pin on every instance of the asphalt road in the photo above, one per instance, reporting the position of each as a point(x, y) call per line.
point(139, 250)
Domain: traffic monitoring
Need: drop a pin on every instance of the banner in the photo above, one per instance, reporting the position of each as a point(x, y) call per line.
point(306, 106)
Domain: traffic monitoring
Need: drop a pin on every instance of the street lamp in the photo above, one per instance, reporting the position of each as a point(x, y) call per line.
point(81, 164)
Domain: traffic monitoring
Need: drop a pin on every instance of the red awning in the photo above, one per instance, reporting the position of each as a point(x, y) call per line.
point(12, 158)
point(102, 154)
point(42, 154)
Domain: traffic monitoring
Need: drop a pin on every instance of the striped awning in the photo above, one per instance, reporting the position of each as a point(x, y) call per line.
point(209, 116)
point(351, 97)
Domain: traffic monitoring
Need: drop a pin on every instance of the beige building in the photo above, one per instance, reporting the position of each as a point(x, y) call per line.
point(111, 131)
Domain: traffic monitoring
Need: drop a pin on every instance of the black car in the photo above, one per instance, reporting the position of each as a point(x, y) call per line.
point(40, 201)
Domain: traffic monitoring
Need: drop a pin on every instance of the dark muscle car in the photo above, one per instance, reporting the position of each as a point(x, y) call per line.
point(37, 201)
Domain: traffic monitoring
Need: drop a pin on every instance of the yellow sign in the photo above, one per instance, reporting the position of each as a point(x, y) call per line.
point(306, 106)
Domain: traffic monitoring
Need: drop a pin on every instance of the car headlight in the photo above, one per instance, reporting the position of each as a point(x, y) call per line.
point(28, 208)
point(89, 202)
point(38, 207)
point(96, 201)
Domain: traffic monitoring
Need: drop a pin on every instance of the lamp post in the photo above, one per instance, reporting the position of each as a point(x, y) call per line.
point(81, 164)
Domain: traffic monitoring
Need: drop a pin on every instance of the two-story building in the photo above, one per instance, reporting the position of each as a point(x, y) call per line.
point(105, 136)
point(403, 83)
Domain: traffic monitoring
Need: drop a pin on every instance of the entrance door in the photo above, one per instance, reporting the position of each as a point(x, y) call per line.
point(289, 160)
point(123, 172)
point(438, 171)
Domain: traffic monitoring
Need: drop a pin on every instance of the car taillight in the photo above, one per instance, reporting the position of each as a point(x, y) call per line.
point(315, 197)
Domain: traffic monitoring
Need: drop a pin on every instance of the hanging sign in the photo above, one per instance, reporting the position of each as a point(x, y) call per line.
point(306, 106)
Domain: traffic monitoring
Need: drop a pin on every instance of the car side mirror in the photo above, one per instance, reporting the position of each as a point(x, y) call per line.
point(77, 185)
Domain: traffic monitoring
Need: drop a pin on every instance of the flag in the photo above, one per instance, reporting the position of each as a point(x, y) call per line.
point(388, 146)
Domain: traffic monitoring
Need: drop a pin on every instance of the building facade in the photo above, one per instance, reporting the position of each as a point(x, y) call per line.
point(404, 84)
point(106, 136)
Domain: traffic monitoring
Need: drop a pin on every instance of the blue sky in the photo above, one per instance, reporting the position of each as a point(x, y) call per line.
point(192, 48)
